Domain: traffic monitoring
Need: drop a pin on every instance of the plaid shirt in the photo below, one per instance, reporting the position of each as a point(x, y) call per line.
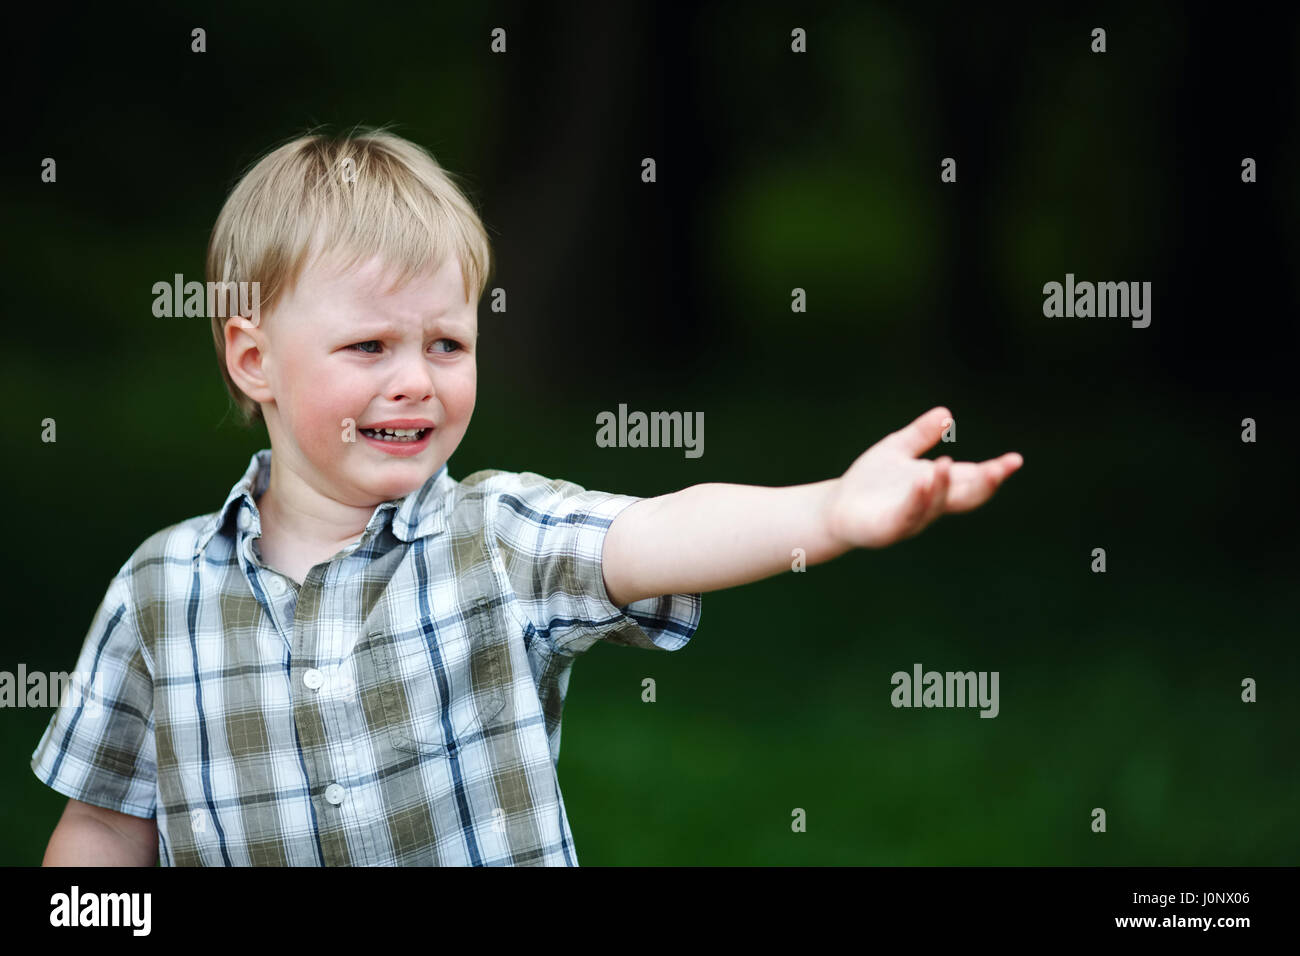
point(402, 706)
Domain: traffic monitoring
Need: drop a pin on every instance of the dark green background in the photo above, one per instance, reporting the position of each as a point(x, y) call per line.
point(775, 170)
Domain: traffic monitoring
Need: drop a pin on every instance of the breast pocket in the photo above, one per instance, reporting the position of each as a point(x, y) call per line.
point(436, 686)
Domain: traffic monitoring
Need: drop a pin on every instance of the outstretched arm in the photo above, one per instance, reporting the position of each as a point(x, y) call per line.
point(714, 535)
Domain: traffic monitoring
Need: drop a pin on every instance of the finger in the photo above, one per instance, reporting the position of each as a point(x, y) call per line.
point(973, 484)
point(1006, 465)
point(921, 434)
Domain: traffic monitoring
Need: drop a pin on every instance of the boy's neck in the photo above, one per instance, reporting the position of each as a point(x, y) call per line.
point(292, 511)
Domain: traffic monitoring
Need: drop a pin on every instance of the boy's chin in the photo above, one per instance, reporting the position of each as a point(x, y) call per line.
point(396, 479)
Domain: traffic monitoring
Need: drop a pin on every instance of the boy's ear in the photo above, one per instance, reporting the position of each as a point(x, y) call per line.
point(245, 350)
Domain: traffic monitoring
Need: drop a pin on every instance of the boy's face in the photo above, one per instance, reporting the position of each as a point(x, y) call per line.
point(340, 346)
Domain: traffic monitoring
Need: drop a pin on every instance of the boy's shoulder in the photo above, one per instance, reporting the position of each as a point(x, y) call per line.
point(173, 544)
point(179, 540)
point(495, 481)
point(165, 558)
point(478, 493)
point(180, 543)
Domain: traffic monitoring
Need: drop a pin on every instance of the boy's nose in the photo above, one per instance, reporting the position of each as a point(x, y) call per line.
point(414, 395)
point(413, 383)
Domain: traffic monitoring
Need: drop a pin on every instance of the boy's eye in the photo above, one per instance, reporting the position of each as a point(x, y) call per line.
point(361, 346)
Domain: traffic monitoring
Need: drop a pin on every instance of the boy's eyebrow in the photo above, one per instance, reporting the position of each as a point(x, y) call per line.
point(378, 329)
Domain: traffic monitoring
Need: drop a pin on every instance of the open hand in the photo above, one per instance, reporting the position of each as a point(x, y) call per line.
point(889, 494)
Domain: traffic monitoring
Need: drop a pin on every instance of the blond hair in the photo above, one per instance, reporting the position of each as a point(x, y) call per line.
point(368, 193)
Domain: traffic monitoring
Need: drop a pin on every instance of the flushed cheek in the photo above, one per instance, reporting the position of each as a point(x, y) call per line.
point(323, 436)
point(328, 418)
point(457, 396)
point(340, 401)
point(301, 396)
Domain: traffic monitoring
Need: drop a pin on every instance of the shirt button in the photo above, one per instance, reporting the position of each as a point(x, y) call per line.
point(334, 794)
point(245, 519)
point(313, 678)
point(276, 586)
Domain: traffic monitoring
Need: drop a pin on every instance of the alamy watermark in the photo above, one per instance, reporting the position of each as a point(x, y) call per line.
point(950, 689)
point(199, 300)
point(1101, 299)
point(75, 908)
point(53, 689)
point(656, 430)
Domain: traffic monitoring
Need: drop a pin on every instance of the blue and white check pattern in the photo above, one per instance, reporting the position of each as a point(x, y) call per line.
point(399, 707)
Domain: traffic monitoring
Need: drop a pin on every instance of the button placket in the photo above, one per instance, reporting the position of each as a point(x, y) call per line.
point(304, 647)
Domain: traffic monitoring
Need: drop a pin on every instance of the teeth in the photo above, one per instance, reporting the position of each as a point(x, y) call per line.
point(394, 434)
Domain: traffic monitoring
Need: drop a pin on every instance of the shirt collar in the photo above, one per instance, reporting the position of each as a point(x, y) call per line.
point(419, 514)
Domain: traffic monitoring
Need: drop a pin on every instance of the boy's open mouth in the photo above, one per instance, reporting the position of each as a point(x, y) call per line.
point(396, 434)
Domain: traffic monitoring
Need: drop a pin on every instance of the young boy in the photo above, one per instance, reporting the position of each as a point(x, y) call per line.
point(357, 659)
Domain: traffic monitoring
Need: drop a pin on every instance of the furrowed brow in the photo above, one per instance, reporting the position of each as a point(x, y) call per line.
point(441, 325)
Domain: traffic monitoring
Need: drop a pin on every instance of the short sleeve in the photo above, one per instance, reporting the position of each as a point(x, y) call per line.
point(99, 745)
point(549, 536)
